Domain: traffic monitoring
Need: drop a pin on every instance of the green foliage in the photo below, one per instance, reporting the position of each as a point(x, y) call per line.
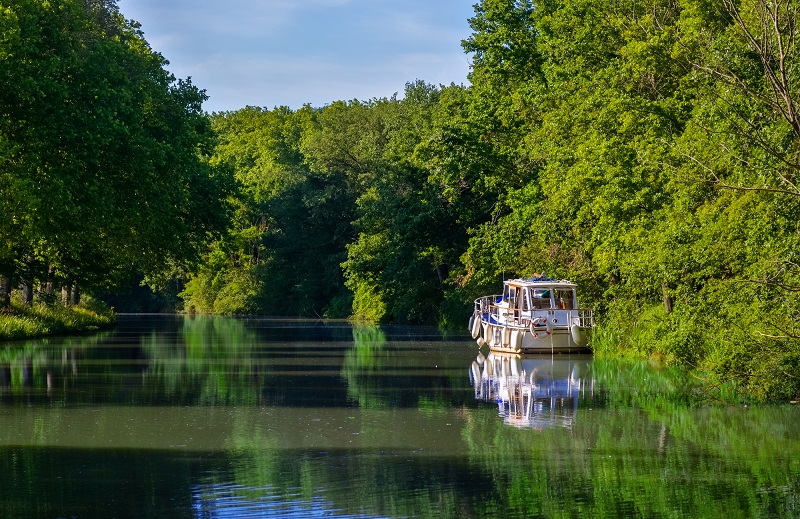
point(23, 321)
point(335, 216)
point(664, 175)
point(287, 237)
point(104, 152)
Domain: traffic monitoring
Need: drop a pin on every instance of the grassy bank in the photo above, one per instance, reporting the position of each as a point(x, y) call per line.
point(40, 320)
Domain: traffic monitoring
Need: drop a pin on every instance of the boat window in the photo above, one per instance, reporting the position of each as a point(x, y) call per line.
point(541, 298)
point(526, 305)
point(515, 302)
point(564, 298)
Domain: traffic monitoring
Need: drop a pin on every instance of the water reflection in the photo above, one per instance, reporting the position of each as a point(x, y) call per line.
point(533, 391)
point(230, 501)
point(214, 417)
point(35, 370)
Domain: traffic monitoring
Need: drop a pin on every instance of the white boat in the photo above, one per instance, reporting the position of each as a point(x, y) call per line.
point(532, 315)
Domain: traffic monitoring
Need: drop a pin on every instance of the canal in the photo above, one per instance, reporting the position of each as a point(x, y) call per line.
point(211, 417)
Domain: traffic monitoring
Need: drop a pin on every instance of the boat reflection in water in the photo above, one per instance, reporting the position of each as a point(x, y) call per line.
point(533, 391)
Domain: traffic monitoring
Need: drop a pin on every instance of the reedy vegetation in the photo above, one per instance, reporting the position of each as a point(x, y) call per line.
point(647, 151)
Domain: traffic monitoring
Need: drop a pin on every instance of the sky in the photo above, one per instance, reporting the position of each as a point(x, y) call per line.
point(272, 53)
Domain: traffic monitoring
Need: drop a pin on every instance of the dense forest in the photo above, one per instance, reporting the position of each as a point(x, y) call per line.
point(647, 151)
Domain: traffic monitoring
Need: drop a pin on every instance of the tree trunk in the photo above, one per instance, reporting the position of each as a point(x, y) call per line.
point(667, 298)
point(48, 287)
point(5, 291)
point(27, 292)
point(65, 294)
point(74, 296)
point(26, 286)
point(442, 271)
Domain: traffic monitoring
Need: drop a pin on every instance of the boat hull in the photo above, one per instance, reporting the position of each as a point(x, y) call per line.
point(510, 339)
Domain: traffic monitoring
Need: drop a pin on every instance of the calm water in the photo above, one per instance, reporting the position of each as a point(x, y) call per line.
point(213, 417)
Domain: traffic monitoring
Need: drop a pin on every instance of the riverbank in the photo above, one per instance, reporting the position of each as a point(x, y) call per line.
point(734, 366)
point(41, 320)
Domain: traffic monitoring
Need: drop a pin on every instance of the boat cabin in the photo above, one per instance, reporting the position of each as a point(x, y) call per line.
point(524, 295)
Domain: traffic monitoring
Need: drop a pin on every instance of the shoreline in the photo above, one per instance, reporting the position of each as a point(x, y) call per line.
point(37, 321)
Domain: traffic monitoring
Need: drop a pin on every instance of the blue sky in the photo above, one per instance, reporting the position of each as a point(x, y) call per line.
point(290, 52)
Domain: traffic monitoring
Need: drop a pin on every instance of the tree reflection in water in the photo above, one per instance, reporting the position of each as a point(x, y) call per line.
point(208, 417)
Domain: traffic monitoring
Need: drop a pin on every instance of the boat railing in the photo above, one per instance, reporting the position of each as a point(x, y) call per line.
point(491, 310)
point(586, 318)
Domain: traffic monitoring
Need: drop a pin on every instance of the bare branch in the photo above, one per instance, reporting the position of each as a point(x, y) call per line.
point(773, 58)
point(715, 180)
point(768, 336)
point(790, 288)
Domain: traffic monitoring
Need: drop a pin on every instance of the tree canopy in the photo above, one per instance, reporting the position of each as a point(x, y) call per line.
point(104, 155)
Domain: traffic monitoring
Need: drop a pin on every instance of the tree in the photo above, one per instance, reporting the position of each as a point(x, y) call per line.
point(292, 221)
point(105, 154)
point(398, 264)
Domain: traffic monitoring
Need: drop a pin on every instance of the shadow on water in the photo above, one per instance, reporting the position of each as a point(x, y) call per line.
point(171, 416)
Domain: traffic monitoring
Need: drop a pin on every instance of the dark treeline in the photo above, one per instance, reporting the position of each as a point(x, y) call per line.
point(647, 151)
